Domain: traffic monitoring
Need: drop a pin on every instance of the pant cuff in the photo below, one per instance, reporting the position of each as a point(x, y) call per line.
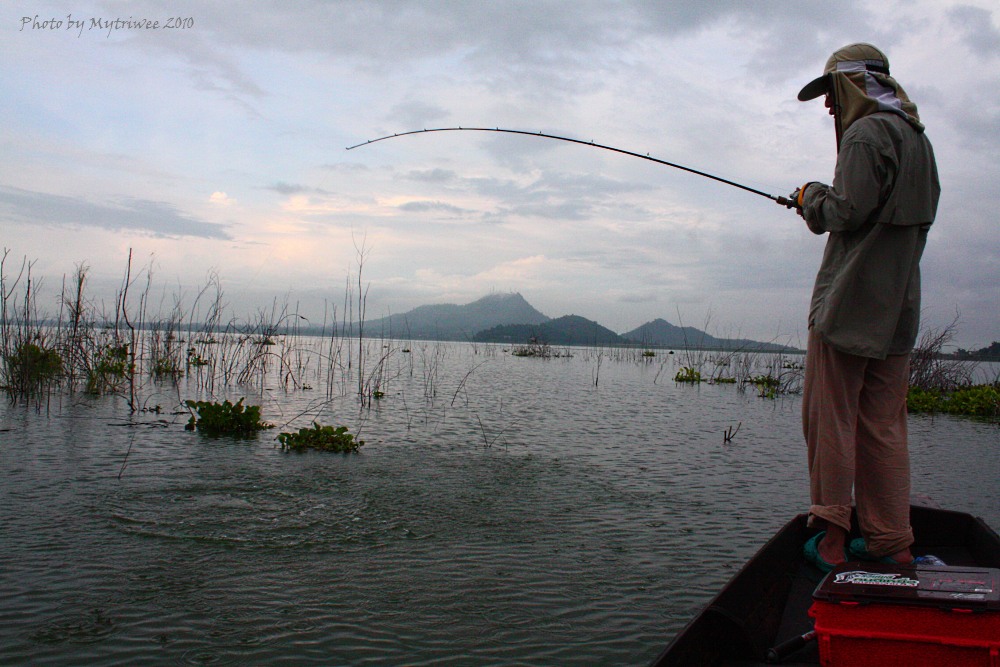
point(838, 515)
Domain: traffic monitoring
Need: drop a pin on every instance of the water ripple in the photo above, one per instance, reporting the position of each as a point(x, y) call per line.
point(536, 520)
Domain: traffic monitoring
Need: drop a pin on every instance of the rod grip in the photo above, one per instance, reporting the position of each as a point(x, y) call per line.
point(786, 648)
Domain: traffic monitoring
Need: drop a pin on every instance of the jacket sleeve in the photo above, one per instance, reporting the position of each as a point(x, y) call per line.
point(861, 176)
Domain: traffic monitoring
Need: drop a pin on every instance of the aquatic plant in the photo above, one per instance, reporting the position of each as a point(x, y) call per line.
point(976, 401)
point(688, 374)
point(109, 369)
point(226, 418)
point(31, 368)
point(323, 438)
point(166, 367)
point(930, 370)
point(534, 348)
point(768, 386)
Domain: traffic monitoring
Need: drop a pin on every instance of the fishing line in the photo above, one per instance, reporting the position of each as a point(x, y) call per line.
point(784, 201)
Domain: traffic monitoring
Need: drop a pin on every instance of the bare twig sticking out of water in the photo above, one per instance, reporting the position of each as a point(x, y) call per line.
point(729, 433)
point(663, 364)
point(487, 443)
point(130, 351)
point(462, 384)
point(929, 371)
point(362, 253)
point(429, 368)
point(131, 440)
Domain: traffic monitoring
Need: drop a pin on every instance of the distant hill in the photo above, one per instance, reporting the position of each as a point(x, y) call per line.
point(566, 330)
point(509, 318)
point(453, 322)
point(660, 333)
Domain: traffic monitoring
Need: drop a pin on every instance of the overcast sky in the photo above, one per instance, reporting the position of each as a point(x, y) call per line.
point(218, 148)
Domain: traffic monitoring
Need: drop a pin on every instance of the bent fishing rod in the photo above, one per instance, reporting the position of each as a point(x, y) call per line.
point(783, 201)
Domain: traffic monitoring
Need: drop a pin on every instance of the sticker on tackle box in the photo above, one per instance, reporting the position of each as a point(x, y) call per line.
point(974, 588)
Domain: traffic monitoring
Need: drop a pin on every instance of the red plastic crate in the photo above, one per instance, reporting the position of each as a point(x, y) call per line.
point(883, 615)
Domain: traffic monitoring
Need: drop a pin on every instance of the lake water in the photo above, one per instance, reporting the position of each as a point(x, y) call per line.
point(503, 510)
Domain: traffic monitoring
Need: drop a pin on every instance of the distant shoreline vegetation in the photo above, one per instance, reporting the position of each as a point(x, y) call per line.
point(518, 334)
point(124, 351)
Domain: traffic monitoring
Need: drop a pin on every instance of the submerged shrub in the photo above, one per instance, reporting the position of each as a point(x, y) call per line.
point(533, 349)
point(216, 419)
point(166, 367)
point(325, 438)
point(31, 367)
point(110, 370)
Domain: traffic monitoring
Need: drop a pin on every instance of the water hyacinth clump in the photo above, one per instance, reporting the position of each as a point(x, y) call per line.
point(323, 438)
point(687, 374)
point(225, 419)
point(979, 400)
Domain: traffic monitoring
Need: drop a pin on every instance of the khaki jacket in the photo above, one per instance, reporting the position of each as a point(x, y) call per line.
point(866, 300)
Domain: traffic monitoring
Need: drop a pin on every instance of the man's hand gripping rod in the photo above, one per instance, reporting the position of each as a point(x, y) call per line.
point(787, 202)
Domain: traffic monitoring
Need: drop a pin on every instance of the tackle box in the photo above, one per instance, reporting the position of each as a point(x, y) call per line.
point(913, 615)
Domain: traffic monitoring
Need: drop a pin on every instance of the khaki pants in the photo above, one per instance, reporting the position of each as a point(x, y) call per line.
point(854, 419)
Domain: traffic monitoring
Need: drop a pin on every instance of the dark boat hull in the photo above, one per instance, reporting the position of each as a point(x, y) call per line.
point(766, 603)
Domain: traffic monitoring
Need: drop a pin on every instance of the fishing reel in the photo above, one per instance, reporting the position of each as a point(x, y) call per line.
point(791, 201)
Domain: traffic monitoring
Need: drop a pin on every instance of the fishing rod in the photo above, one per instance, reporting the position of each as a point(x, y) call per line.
point(783, 201)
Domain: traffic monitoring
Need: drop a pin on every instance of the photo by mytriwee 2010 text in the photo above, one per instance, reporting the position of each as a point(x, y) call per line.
point(104, 25)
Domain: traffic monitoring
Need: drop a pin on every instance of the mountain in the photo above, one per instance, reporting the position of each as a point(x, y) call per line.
point(660, 333)
point(509, 318)
point(452, 322)
point(566, 330)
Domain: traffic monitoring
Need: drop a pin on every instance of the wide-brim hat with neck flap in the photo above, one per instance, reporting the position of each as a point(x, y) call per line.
point(867, 55)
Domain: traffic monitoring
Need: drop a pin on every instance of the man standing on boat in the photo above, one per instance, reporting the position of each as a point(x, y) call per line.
point(865, 308)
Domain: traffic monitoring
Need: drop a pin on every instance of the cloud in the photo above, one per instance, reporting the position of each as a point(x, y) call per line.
point(416, 114)
point(977, 27)
point(432, 207)
point(129, 215)
point(431, 175)
point(287, 189)
point(266, 101)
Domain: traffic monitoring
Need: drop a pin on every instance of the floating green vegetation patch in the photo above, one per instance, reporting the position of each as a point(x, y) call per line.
point(324, 438)
point(982, 400)
point(688, 375)
point(768, 386)
point(218, 419)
